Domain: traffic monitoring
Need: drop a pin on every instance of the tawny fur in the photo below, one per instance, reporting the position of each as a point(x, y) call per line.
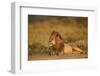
point(58, 46)
point(68, 49)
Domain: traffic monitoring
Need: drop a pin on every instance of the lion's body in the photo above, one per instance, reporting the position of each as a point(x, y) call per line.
point(67, 49)
point(57, 45)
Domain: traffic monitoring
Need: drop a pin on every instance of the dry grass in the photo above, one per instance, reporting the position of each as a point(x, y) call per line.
point(72, 32)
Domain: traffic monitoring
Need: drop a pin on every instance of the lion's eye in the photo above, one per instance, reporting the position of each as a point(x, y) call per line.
point(49, 41)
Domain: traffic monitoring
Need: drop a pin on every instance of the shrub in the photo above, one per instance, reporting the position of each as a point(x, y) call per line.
point(37, 48)
point(82, 44)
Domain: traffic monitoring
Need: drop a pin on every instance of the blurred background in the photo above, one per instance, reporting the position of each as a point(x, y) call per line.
point(74, 31)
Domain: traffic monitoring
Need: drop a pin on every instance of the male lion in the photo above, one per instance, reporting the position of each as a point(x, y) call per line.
point(56, 43)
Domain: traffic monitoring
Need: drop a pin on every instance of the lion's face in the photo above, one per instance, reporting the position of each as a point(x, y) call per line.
point(52, 39)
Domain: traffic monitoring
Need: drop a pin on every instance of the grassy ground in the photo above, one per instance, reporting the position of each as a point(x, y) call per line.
point(74, 31)
point(68, 56)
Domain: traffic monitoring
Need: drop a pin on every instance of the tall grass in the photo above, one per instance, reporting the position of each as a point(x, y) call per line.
point(72, 30)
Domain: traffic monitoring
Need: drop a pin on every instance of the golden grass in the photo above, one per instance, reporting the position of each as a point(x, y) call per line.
point(73, 33)
point(40, 32)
